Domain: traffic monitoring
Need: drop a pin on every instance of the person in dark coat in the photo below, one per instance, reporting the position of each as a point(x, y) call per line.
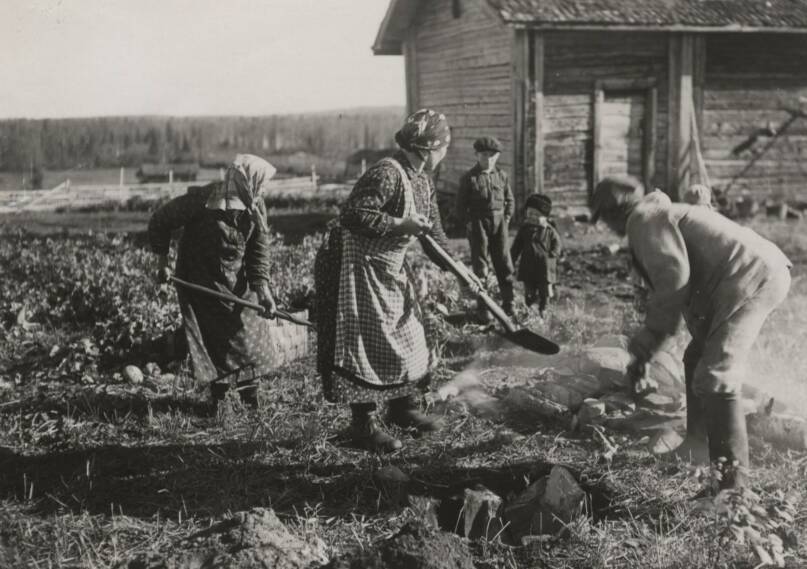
point(539, 246)
point(224, 247)
point(485, 207)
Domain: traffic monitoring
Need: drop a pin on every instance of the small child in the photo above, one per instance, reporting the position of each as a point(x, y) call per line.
point(539, 246)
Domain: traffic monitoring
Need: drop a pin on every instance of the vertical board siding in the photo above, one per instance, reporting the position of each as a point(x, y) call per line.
point(749, 82)
point(463, 70)
point(573, 62)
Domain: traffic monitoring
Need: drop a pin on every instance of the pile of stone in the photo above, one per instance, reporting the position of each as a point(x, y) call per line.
point(588, 387)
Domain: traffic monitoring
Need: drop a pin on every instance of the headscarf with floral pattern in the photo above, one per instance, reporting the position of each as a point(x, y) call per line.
point(425, 129)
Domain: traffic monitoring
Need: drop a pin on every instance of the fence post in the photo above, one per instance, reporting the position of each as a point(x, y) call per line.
point(170, 176)
point(221, 174)
point(122, 176)
point(363, 166)
point(314, 176)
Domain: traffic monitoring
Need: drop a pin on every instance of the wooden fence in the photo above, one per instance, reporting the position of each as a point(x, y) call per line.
point(67, 196)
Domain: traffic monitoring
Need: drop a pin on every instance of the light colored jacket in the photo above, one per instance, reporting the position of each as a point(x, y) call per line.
point(698, 263)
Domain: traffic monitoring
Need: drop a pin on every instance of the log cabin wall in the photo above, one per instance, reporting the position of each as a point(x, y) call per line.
point(749, 80)
point(573, 63)
point(463, 70)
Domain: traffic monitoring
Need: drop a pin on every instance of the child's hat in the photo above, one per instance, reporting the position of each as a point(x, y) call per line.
point(487, 144)
point(541, 202)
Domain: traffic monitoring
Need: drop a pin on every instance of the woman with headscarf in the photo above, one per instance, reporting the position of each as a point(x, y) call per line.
point(372, 342)
point(225, 247)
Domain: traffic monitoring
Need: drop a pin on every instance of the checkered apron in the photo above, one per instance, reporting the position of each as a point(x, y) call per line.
point(379, 324)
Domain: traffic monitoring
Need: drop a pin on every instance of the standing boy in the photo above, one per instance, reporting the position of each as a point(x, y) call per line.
point(485, 206)
point(539, 246)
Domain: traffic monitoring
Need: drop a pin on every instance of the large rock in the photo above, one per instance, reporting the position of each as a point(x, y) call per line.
point(546, 505)
point(248, 539)
point(416, 546)
point(606, 364)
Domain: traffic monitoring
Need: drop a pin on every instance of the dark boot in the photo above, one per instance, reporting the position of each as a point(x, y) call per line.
point(695, 446)
point(506, 288)
point(405, 412)
point(367, 430)
point(728, 438)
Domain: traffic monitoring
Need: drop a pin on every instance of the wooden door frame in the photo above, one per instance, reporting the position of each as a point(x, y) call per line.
point(650, 89)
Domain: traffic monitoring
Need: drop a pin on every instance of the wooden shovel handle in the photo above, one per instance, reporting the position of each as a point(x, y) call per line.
point(465, 276)
point(283, 315)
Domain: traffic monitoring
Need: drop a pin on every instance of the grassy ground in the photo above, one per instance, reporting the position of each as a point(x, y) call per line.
point(94, 471)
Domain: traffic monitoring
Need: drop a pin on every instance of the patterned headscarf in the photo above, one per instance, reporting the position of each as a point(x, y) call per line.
point(424, 130)
point(244, 183)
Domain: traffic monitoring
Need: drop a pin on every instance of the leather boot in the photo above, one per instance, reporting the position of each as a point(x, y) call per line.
point(728, 438)
point(405, 412)
point(368, 432)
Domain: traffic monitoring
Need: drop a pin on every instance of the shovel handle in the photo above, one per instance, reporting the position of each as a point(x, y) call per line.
point(462, 273)
point(282, 314)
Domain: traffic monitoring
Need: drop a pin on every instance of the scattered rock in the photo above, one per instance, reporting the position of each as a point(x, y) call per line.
point(247, 539)
point(668, 372)
point(592, 411)
point(660, 402)
point(664, 441)
point(561, 394)
point(619, 401)
point(506, 437)
point(607, 364)
point(152, 370)
point(416, 546)
point(390, 475)
point(587, 385)
point(133, 375)
point(474, 514)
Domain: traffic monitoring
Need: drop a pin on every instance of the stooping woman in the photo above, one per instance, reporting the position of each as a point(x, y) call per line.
point(225, 247)
point(373, 345)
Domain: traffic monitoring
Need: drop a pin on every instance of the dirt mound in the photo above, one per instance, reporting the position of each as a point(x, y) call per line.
point(247, 539)
point(416, 546)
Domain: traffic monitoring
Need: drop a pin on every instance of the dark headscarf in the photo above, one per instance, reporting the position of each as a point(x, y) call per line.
point(424, 130)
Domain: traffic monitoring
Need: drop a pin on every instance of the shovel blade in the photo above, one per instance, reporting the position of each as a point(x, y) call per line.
point(529, 340)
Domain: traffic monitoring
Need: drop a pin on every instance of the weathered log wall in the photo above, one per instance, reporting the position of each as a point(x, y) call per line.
point(574, 62)
point(750, 80)
point(463, 70)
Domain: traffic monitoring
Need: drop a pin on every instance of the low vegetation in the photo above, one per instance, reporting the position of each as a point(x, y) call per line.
point(96, 468)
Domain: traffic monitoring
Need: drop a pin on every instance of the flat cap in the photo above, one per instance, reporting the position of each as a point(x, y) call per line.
point(487, 144)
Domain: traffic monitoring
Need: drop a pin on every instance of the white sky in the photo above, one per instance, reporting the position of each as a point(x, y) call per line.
point(68, 58)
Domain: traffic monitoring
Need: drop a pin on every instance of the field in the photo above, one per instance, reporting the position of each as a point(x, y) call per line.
point(97, 471)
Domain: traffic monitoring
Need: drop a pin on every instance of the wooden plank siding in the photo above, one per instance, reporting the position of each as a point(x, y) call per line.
point(749, 82)
point(464, 71)
point(574, 62)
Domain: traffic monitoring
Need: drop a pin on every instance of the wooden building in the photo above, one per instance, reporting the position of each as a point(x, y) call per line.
point(577, 89)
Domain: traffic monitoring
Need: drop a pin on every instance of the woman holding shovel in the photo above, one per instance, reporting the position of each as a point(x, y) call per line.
point(224, 247)
point(372, 342)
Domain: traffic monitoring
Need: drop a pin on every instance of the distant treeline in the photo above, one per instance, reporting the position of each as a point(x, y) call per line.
point(54, 144)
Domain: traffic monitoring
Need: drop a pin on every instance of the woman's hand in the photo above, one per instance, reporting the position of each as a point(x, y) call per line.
point(266, 300)
point(163, 274)
point(415, 224)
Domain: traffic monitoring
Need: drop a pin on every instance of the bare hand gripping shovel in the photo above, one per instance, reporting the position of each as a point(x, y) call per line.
point(523, 337)
point(283, 315)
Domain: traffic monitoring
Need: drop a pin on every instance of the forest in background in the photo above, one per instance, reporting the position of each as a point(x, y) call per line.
point(34, 145)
